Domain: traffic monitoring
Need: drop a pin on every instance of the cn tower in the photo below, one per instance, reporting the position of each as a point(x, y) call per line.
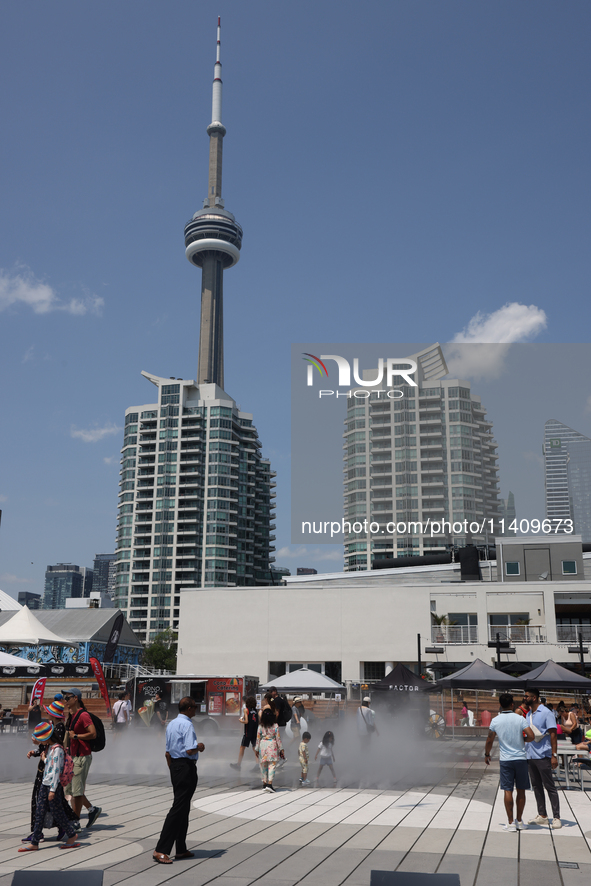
point(212, 242)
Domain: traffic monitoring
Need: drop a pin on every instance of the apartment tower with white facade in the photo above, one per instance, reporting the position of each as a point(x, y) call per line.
point(426, 458)
point(196, 497)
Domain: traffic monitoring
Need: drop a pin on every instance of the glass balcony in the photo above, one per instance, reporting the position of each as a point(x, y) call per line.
point(454, 634)
point(571, 633)
point(518, 633)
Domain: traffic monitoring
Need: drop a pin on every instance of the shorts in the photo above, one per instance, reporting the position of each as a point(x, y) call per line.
point(77, 786)
point(514, 774)
point(248, 740)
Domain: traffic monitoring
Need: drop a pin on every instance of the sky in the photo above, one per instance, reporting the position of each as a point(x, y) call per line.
point(406, 170)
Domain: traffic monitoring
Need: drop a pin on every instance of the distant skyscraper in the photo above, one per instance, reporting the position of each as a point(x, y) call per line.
point(567, 477)
point(429, 456)
point(105, 568)
point(26, 598)
point(196, 497)
point(508, 514)
point(62, 581)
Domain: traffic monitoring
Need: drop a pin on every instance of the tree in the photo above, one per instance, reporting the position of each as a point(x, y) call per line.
point(161, 652)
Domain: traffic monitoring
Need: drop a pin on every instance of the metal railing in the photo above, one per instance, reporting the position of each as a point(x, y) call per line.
point(124, 672)
point(517, 633)
point(454, 634)
point(571, 633)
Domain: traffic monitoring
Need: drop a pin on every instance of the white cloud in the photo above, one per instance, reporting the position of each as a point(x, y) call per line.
point(536, 457)
point(28, 355)
point(484, 343)
point(110, 460)
point(14, 579)
point(23, 288)
point(93, 435)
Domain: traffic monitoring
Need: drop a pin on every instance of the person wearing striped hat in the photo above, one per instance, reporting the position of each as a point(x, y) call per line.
point(51, 792)
point(55, 709)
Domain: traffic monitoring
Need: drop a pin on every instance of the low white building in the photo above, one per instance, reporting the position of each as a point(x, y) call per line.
point(354, 626)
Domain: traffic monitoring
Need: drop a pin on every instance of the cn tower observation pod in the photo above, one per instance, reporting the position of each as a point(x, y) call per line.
point(215, 233)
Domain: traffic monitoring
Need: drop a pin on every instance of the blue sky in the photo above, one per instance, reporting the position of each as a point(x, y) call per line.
point(395, 166)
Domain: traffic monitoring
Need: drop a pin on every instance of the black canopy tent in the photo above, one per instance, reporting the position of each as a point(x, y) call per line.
point(553, 676)
point(402, 680)
point(402, 692)
point(478, 675)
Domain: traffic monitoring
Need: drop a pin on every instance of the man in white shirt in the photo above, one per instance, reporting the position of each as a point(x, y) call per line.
point(366, 721)
point(509, 728)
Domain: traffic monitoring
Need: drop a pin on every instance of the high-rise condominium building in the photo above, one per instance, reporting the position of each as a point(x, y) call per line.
point(196, 496)
point(62, 581)
point(427, 458)
point(33, 601)
point(567, 478)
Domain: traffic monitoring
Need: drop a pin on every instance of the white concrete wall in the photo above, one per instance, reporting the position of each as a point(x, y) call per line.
point(240, 630)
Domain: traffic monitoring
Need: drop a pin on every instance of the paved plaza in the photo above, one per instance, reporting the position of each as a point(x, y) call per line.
point(448, 821)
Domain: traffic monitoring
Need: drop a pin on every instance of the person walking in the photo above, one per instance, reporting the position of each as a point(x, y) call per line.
point(160, 711)
point(80, 731)
point(121, 712)
point(250, 719)
point(508, 727)
point(51, 793)
point(282, 709)
point(182, 753)
point(542, 759)
point(366, 722)
point(268, 748)
point(327, 758)
point(297, 712)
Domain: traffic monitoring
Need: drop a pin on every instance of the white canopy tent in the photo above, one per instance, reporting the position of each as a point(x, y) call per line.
point(8, 603)
point(304, 680)
point(24, 629)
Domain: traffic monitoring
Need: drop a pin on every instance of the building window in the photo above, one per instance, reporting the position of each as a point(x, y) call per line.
point(512, 568)
point(569, 567)
point(374, 670)
point(276, 669)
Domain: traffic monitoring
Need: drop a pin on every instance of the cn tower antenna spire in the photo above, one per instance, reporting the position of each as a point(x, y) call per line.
point(216, 101)
point(213, 239)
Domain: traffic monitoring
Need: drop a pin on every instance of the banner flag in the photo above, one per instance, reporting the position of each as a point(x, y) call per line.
point(113, 642)
point(100, 679)
point(38, 690)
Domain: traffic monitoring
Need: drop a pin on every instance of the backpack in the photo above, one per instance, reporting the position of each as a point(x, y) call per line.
point(67, 772)
point(97, 744)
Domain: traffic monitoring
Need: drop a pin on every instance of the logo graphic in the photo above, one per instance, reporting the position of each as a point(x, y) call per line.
point(315, 362)
point(391, 371)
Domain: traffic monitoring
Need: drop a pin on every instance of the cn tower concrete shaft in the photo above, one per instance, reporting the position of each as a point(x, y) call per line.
point(211, 335)
point(213, 239)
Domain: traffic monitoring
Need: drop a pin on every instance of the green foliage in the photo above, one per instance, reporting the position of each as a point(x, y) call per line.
point(161, 652)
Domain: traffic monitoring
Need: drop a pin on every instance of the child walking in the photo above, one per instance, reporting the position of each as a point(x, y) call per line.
point(51, 792)
point(268, 748)
point(327, 758)
point(304, 755)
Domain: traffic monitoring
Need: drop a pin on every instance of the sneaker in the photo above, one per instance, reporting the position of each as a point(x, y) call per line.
point(539, 819)
point(510, 828)
point(93, 814)
point(306, 783)
point(556, 824)
point(235, 766)
point(521, 826)
point(270, 789)
point(30, 837)
point(60, 835)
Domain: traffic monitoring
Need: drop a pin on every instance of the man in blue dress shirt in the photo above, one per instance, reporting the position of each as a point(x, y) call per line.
point(182, 752)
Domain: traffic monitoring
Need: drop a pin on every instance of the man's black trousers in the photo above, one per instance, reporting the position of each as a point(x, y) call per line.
point(540, 773)
point(183, 775)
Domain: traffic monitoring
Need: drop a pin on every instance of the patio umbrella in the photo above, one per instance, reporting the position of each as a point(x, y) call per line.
point(553, 676)
point(304, 680)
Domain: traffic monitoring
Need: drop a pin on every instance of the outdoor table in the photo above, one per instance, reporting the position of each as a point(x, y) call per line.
point(563, 752)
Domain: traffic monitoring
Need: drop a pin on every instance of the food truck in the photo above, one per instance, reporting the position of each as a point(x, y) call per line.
point(219, 697)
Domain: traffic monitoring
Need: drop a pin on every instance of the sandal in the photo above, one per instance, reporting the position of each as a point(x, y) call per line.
point(70, 846)
point(161, 858)
point(31, 848)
